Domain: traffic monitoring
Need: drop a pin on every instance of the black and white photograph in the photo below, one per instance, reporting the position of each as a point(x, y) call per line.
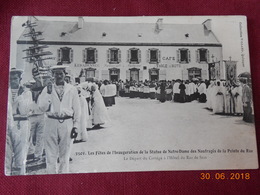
point(124, 94)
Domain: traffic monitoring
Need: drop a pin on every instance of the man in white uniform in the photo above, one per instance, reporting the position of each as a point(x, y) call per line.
point(18, 134)
point(61, 103)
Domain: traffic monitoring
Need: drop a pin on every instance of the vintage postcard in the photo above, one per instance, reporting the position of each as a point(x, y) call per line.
point(120, 94)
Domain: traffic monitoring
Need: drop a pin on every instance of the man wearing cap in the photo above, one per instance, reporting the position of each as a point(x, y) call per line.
point(19, 133)
point(61, 103)
point(37, 120)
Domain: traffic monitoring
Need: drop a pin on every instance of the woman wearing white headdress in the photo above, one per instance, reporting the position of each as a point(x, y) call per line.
point(82, 134)
point(99, 110)
point(209, 94)
point(86, 87)
point(218, 98)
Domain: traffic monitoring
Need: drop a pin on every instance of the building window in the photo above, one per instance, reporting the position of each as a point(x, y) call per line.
point(194, 73)
point(113, 55)
point(183, 55)
point(90, 55)
point(202, 55)
point(65, 55)
point(134, 56)
point(90, 72)
point(154, 56)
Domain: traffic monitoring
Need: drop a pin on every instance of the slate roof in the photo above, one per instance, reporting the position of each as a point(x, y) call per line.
point(122, 33)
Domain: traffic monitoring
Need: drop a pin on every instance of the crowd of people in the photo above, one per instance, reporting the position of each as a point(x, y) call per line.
point(52, 118)
point(220, 96)
point(49, 120)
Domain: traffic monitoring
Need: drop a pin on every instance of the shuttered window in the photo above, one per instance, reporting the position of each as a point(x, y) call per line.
point(134, 56)
point(202, 55)
point(113, 55)
point(90, 55)
point(154, 56)
point(183, 55)
point(65, 55)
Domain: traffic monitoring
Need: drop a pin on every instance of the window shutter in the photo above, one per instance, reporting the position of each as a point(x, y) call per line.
point(105, 75)
point(148, 55)
point(96, 55)
point(139, 55)
point(207, 55)
point(197, 55)
point(119, 55)
point(128, 75)
point(140, 75)
point(128, 55)
point(84, 51)
point(71, 55)
point(204, 74)
point(96, 74)
point(59, 55)
point(178, 56)
point(188, 55)
point(158, 56)
point(108, 55)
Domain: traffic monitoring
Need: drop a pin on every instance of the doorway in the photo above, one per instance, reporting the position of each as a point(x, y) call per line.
point(114, 74)
point(134, 74)
point(154, 74)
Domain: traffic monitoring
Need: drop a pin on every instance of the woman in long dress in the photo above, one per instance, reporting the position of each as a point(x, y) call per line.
point(209, 94)
point(99, 110)
point(82, 135)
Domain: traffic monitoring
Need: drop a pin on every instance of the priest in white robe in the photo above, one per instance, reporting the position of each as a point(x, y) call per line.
point(237, 94)
point(218, 98)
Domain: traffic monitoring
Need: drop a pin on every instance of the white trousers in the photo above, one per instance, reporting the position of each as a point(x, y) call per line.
point(17, 148)
point(57, 145)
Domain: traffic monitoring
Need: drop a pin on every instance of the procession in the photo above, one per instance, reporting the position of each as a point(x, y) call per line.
point(50, 122)
point(81, 87)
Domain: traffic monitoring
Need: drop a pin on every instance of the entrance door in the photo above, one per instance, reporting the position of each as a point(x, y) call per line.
point(154, 74)
point(194, 73)
point(114, 77)
point(114, 74)
point(134, 75)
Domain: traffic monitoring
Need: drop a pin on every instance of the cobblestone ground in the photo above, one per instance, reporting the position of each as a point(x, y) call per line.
point(150, 125)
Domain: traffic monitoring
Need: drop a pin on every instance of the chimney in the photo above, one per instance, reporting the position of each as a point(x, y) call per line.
point(207, 24)
point(158, 25)
point(80, 22)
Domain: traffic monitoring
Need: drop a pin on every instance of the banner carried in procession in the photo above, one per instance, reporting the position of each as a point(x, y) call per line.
point(214, 71)
point(231, 70)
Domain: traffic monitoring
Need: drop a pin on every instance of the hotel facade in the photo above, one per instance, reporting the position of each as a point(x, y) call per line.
point(127, 51)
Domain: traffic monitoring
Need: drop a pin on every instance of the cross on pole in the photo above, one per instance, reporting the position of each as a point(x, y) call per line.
point(212, 57)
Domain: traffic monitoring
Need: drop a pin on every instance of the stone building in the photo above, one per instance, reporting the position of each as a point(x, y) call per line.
point(132, 51)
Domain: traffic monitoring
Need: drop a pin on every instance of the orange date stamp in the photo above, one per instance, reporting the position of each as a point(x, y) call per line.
point(225, 176)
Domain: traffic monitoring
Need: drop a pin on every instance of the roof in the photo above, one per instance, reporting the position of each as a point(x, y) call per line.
point(93, 32)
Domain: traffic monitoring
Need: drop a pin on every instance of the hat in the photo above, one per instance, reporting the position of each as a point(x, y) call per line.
point(58, 67)
point(28, 84)
point(16, 71)
point(32, 81)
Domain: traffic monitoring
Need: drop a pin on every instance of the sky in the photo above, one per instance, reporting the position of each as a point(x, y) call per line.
point(231, 31)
